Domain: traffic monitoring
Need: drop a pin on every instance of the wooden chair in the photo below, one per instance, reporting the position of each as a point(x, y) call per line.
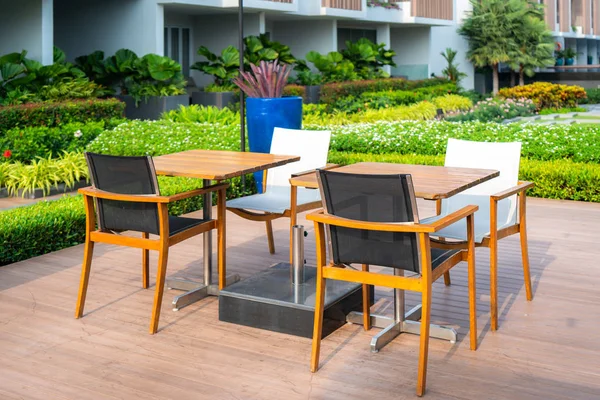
point(501, 202)
point(126, 195)
point(373, 220)
point(277, 197)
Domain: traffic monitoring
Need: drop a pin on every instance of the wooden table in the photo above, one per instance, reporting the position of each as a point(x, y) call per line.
point(211, 165)
point(430, 183)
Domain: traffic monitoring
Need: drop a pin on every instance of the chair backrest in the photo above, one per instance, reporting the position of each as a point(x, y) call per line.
point(311, 146)
point(124, 175)
point(371, 198)
point(503, 157)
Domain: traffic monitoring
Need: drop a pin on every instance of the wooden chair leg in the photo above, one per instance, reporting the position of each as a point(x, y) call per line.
point(318, 320)
point(472, 282)
point(145, 264)
point(447, 280)
point(366, 302)
point(163, 255)
point(222, 240)
point(270, 237)
point(494, 283)
point(524, 247)
point(85, 277)
point(424, 340)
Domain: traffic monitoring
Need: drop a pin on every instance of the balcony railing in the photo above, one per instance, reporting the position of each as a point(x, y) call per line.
point(354, 5)
point(438, 9)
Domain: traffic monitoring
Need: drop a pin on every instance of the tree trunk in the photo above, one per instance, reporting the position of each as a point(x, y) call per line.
point(495, 79)
point(521, 76)
point(513, 78)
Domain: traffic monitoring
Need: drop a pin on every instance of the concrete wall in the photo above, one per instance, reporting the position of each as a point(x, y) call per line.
point(442, 38)
point(412, 51)
point(81, 27)
point(27, 25)
point(307, 35)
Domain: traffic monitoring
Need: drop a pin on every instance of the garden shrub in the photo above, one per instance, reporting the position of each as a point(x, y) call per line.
point(56, 114)
point(202, 114)
point(495, 110)
point(331, 92)
point(420, 111)
point(593, 96)
point(546, 94)
point(565, 110)
point(453, 102)
point(294, 90)
point(27, 143)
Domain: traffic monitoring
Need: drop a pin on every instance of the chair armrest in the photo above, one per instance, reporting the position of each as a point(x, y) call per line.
point(148, 198)
point(197, 192)
point(312, 171)
point(321, 217)
point(521, 187)
point(453, 217)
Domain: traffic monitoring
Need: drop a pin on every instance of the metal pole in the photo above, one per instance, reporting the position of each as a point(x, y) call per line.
point(298, 255)
point(242, 102)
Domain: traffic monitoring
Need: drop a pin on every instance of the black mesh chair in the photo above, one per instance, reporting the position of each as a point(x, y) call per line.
point(373, 220)
point(126, 197)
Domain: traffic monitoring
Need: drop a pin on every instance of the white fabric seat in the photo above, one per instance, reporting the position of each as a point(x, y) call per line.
point(504, 157)
point(275, 200)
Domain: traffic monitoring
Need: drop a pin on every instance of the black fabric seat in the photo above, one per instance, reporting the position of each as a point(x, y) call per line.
point(180, 224)
point(438, 256)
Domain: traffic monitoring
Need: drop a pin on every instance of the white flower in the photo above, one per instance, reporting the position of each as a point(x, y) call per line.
point(78, 134)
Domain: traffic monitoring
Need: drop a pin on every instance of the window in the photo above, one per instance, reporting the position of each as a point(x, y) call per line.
point(178, 47)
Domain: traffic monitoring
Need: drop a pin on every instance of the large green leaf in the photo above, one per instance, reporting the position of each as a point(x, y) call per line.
point(231, 57)
point(253, 44)
point(59, 56)
point(205, 52)
point(13, 58)
point(9, 71)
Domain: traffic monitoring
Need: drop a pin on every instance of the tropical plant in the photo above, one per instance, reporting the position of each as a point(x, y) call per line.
point(369, 58)
point(202, 114)
point(266, 80)
point(451, 71)
point(489, 29)
point(333, 66)
point(308, 78)
point(570, 53)
point(95, 68)
point(223, 68)
point(261, 48)
point(535, 45)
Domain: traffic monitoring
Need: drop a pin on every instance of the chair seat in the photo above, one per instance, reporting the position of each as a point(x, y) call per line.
point(438, 256)
point(275, 200)
point(180, 224)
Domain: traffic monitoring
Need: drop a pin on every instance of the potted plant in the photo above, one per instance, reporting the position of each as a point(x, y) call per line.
point(570, 55)
point(577, 29)
point(311, 82)
point(266, 108)
point(149, 85)
point(560, 57)
point(221, 93)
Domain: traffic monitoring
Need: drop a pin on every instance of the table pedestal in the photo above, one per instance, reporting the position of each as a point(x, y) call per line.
point(197, 291)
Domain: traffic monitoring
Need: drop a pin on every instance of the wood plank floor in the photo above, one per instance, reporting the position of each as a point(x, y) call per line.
point(545, 349)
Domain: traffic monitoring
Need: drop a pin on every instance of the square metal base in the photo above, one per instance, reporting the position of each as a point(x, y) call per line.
point(268, 300)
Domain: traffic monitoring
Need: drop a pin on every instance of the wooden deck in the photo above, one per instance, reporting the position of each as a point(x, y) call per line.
point(546, 349)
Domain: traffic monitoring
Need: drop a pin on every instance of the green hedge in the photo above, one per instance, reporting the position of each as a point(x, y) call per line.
point(559, 179)
point(56, 114)
point(331, 92)
point(48, 226)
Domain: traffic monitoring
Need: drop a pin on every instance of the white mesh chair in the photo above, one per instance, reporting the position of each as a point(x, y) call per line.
point(501, 204)
point(275, 201)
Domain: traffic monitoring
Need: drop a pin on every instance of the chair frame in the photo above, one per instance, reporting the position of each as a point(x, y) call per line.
point(162, 244)
point(291, 213)
point(420, 283)
point(491, 242)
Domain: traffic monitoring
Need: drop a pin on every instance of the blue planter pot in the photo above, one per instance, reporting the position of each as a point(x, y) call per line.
point(263, 116)
point(569, 61)
point(560, 62)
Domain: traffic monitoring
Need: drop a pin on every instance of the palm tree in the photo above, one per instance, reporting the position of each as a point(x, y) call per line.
point(489, 29)
point(535, 43)
point(451, 71)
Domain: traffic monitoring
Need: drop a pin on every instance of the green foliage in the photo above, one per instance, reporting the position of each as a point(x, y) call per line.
point(453, 102)
point(368, 58)
point(28, 143)
point(308, 78)
point(77, 88)
point(154, 75)
point(451, 72)
point(45, 173)
point(332, 92)
point(546, 94)
point(294, 90)
point(420, 111)
point(333, 67)
point(495, 110)
point(261, 48)
point(223, 68)
point(593, 96)
point(55, 114)
point(559, 179)
point(564, 110)
point(202, 114)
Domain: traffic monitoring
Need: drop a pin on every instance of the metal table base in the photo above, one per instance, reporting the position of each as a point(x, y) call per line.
point(403, 322)
point(197, 291)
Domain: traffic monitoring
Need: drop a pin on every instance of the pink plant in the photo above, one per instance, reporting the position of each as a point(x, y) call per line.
point(266, 80)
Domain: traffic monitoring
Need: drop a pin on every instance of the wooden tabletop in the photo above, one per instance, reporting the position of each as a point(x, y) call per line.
point(217, 165)
point(430, 182)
